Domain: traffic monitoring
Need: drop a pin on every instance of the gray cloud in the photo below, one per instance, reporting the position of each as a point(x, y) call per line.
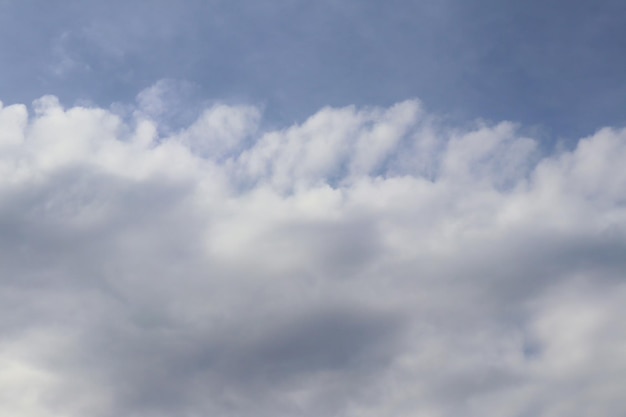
point(369, 261)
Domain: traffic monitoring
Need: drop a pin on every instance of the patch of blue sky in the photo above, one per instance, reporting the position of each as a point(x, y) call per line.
point(554, 65)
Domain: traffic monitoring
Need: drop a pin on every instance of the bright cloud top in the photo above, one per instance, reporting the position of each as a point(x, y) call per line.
point(367, 262)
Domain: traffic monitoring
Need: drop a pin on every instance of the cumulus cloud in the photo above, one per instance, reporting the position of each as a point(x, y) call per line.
point(366, 262)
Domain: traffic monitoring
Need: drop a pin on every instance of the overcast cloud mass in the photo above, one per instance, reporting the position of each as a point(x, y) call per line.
point(366, 262)
point(247, 210)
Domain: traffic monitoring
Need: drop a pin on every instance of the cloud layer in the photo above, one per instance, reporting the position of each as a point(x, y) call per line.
point(367, 262)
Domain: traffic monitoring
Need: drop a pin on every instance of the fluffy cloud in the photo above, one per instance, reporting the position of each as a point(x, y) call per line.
point(367, 262)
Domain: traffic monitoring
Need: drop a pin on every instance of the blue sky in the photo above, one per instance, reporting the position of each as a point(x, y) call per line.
point(556, 65)
point(308, 209)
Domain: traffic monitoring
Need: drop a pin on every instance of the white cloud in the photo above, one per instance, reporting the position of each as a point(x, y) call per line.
point(366, 262)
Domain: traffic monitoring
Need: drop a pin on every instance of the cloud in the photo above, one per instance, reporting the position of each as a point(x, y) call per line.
point(366, 262)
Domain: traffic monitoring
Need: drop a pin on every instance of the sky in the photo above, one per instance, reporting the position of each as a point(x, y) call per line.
point(330, 208)
point(552, 65)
